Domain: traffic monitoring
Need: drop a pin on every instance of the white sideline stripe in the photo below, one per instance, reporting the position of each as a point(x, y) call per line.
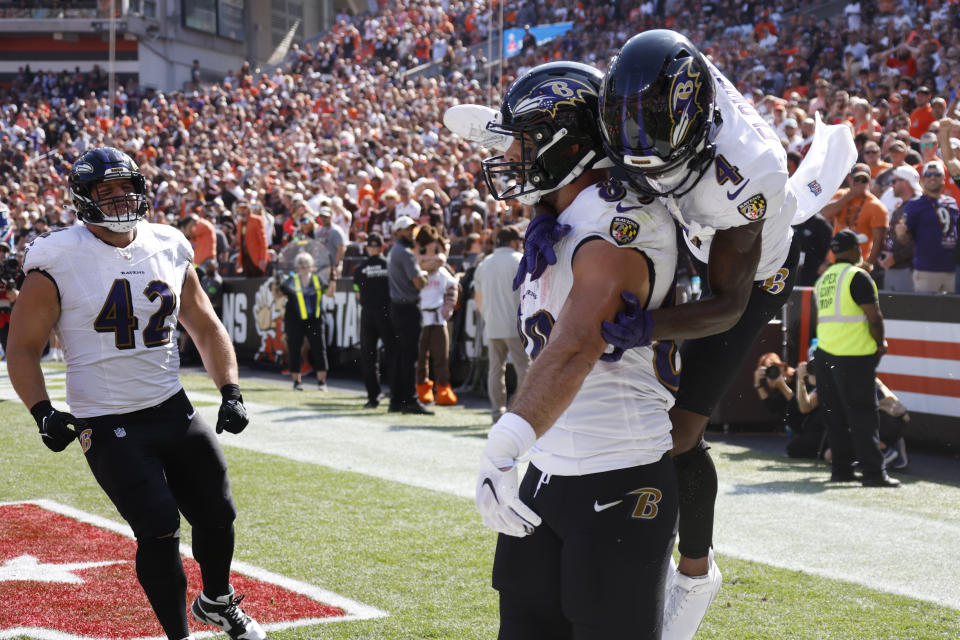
point(817, 534)
point(926, 403)
point(840, 541)
point(915, 366)
point(353, 610)
point(922, 330)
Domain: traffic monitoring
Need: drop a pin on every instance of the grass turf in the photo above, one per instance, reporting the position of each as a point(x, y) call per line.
point(423, 556)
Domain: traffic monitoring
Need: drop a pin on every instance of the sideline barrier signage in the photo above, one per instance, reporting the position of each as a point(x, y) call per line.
point(922, 365)
point(253, 316)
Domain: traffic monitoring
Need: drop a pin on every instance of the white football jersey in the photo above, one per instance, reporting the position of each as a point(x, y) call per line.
point(118, 314)
point(618, 419)
point(746, 182)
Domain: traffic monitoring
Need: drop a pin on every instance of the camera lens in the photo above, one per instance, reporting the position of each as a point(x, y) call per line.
point(773, 372)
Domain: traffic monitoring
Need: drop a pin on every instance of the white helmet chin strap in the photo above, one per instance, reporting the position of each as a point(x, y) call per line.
point(533, 197)
point(117, 227)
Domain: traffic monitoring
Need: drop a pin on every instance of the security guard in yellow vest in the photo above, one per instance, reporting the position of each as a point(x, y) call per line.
point(850, 344)
point(303, 318)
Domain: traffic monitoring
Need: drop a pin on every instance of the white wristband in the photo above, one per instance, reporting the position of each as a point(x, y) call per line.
point(508, 438)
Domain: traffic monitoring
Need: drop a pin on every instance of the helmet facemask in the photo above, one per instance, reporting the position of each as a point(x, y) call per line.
point(551, 114)
point(658, 113)
point(103, 205)
point(119, 213)
point(531, 180)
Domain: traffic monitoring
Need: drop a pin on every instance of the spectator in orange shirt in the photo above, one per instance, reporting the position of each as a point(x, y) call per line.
point(251, 241)
point(871, 156)
point(421, 47)
point(922, 117)
point(858, 209)
point(202, 235)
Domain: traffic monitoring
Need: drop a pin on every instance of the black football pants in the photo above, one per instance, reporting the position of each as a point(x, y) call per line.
point(595, 567)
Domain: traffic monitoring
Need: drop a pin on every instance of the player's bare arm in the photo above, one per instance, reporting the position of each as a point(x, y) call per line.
point(32, 319)
point(208, 334)
point(601, 271)
point(734, 255)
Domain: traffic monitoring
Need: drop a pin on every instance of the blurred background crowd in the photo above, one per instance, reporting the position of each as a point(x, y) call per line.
point(344, 125)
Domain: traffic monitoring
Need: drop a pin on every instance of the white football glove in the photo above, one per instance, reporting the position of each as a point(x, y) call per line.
point(497, 497)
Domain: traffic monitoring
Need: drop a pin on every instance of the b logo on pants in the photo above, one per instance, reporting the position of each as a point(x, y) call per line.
point(647, 499)
point(86, 439)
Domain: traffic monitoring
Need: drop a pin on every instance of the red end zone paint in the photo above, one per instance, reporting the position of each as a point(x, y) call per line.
point(42, 550)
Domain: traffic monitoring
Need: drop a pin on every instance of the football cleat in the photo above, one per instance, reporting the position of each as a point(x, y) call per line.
point(226, 614)
point(671, 578)
point(688, 601)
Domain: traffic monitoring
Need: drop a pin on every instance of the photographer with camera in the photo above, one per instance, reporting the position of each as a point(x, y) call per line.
point(9, 268)
point(795, 404)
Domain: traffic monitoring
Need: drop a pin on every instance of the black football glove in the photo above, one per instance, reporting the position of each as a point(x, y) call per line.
point(55, 430)
point(233, 415)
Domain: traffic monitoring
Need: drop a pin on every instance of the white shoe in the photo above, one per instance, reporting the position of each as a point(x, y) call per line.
point(671, 578)
point(225, 613)
point(688, 601)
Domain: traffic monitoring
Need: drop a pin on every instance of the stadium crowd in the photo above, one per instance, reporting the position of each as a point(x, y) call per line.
point(352, 123)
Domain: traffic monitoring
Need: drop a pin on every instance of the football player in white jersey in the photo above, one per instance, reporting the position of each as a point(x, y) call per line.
point(114, 289)
point(586, 538)
point(684, 134)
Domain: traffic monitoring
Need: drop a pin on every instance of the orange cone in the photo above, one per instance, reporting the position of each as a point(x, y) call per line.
point(425, 392)
point(446, 396)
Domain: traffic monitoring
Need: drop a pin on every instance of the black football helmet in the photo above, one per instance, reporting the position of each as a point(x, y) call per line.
point(100, 165)
point(552, 110)
point(657, 112)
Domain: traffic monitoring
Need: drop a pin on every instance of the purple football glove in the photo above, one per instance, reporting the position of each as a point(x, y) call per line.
point(633, 328)
point(542, 233)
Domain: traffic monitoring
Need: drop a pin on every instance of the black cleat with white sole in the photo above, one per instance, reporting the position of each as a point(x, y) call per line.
point(225, 613)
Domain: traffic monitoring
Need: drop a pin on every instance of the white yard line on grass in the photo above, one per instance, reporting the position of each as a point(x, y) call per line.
point(880, 548)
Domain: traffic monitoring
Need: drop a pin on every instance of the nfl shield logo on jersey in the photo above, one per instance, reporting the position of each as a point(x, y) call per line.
point(624, 230)
point(815, 187)
point(754, 208)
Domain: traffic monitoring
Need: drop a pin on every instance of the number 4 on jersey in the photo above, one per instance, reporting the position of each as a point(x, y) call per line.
point(726, 172)
point(117, 314)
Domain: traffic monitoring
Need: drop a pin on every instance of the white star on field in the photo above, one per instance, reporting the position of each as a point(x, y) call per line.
point(28, 568)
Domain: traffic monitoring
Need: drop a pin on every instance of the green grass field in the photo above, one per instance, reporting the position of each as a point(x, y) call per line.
point(423, 556)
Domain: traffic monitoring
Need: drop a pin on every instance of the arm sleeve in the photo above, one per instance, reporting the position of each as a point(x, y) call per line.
point(910, 218)
point(861, 289)
point(409, 264)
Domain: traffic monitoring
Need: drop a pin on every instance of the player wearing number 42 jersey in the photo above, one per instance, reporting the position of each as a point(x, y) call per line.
point(114, 289)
